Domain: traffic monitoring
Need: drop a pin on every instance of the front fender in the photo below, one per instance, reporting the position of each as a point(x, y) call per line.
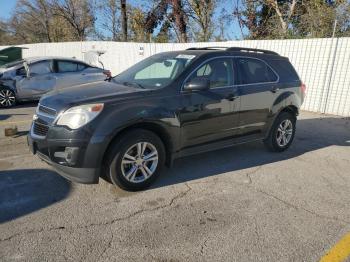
point(121, 117)
point(8, 84)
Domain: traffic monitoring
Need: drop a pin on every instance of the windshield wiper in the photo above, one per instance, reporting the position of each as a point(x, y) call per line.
point(134, 84)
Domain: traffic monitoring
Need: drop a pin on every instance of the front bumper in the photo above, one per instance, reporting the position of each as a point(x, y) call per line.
point(43, 149)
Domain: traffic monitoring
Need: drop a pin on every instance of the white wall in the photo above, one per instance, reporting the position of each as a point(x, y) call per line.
point(323, 64)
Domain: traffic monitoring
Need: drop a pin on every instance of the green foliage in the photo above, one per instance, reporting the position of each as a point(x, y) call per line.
point(271, 19)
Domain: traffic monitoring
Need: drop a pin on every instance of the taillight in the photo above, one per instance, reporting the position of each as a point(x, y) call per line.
point(303, 88)
point(107, 73)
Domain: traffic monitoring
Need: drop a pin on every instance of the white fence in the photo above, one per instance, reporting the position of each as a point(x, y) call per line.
point(323, 64)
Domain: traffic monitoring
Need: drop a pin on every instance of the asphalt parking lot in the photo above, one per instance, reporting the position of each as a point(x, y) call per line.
point(237, 204)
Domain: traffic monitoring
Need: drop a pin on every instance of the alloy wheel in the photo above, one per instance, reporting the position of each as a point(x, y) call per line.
point(284, 133)
point(7, 98)
point(139, 162)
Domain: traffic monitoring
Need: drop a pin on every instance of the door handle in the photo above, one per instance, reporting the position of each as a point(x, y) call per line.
point(231, 97)
point(275, 89)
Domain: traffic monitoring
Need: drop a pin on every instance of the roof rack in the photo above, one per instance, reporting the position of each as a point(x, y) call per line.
point(207, 48)
point(237, 49)
point(252, 50)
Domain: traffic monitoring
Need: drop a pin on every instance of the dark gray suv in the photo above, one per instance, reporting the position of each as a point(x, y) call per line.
point(169, 105)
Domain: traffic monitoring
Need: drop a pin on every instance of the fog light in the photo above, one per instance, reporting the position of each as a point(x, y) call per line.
point(70, 155)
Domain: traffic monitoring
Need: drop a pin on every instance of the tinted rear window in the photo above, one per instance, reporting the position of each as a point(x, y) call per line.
point(284, 69)
point(254, 71)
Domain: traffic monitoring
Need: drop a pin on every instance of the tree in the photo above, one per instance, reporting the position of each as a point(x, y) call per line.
point(343, 18)
point(170, 12)
point(284, 10)
point(255, 16)
point(110, 10)
point(290, 18)
point(201, 12)
point(78, 13)
point(31, 21)
point(5, 37)
point(179, 20)
point(137, 24)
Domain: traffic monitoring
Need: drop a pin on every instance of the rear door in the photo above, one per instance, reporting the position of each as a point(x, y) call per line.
point(258, 87)
point(210, 115)
point(70, 73)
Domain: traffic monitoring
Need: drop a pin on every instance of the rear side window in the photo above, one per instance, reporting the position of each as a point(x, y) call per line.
point(81, 67)
point(285, 70)
point(69, 66)
point(253, 71)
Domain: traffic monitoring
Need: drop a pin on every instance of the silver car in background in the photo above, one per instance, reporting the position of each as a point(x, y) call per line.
point(30, 78)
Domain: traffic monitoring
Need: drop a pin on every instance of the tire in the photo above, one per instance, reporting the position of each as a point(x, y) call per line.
point(130, 170)
point(7, 97)
point(282, 132)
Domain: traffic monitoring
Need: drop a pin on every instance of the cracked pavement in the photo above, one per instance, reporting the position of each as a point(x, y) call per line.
point(237, 204)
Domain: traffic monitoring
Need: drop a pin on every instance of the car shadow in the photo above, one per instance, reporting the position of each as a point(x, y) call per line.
point(312, 134)
point(7, 116)
point(20, 133)
point(24, 104)
point(25, 191)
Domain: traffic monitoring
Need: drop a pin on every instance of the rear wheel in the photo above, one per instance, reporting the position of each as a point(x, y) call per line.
point(282, 132)
point(7, 97)
point(136, 160)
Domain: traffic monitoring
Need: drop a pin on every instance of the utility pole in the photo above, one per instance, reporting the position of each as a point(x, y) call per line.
point(124, 20)
point(334, 27)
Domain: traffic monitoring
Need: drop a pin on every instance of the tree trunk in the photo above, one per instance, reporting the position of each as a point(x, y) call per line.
point(180, 20)
point(124, 20)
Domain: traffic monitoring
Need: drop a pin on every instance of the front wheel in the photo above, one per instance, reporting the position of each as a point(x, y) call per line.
point(282, 132)
point(136, 160)
point(7, 97)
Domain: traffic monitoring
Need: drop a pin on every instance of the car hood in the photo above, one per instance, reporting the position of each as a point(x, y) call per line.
point(96, 92)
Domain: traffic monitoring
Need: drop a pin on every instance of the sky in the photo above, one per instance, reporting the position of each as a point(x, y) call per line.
point(233, 32)
point(6, 7)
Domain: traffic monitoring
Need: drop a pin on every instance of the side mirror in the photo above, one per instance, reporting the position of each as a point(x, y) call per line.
point(198, 83)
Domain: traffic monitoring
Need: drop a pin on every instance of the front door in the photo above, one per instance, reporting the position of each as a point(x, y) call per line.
point(40, 81)
point(210, 115)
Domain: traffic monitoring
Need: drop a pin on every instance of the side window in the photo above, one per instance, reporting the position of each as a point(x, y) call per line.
point(284, 69)
point(67, 66)
point(81, 67)
point(40, 68)
point(218, 71)
point(21, 72)
point(254, 71)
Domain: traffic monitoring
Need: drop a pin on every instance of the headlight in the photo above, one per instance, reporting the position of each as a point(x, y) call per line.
point(78, 116)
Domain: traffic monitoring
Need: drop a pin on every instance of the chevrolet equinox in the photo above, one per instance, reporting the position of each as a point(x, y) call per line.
point(170, 105)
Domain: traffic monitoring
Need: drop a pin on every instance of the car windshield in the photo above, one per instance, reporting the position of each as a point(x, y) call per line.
point(156, 71)
point(11, 64)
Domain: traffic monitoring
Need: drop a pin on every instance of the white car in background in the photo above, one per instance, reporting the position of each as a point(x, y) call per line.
point(29, 79)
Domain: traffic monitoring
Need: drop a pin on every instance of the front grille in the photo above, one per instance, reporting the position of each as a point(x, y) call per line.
point(46, 110)
point(40, 129)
